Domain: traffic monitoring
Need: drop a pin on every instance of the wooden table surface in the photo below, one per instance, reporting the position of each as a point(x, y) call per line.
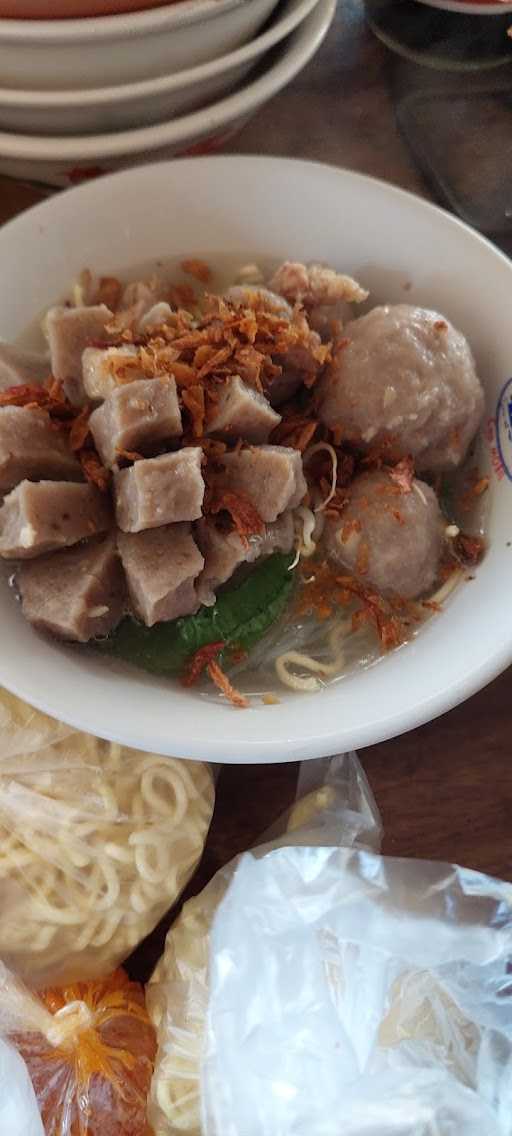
point(444, 790)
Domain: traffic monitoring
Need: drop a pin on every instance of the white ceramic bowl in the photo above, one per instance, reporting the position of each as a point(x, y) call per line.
point(65, 161)
point(389, 240)
point(149, 101)
point(109, 50)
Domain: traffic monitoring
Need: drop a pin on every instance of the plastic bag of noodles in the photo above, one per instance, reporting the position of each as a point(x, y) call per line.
point(338, 808)
point(88, 1048)
point(316, 987)
point(96, 843)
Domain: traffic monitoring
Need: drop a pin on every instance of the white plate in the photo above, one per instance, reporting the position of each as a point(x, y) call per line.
point(148, 102)
point(53, 54)
point(65, 161)
point(402, 248)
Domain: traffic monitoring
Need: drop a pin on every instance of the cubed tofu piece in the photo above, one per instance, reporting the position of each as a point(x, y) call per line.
point(224, 552)
point(136, 417)
point(271, 477)
point(160, 491)
point(100, 365)
point(242, 412)
point(42, 516)
point(31, 447)
point(161, 568)
point(76, 594)
point(18, 367)
point(70, 331)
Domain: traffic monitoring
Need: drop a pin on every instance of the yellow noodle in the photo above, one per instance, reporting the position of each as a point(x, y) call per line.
point(99, 851)
point(308, 663)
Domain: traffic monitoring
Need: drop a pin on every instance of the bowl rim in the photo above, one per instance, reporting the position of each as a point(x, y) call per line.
point(314, 735)
point(121, 26)
point(292, 56)
point(297, 11)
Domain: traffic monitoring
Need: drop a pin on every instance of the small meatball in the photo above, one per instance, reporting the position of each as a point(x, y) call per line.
point(70, 331)
point(271, 477)
point(315, 284)
point(245, 296)
point(18, 367)
point(76, 594)
point(160, 491)
point(31, 447)
point(242, 412)
point(406, 376)
point(161, 568)
point(388, 538)
point(103, 366)
point(135, 417)
point(42, 516)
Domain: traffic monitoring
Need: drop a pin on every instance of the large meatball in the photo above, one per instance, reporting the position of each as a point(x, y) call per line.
point(407, 375)
point(387, 537)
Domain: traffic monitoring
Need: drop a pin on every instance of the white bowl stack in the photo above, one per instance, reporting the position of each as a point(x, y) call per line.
point(84, 96)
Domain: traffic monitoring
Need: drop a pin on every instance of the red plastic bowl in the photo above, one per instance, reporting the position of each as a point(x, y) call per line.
point(70, 9)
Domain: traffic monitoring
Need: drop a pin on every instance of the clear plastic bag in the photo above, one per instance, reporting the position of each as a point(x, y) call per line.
point(96, 843)
point(338, 808)
point(317, 987)
point(89, 1049)
point(19, 1114)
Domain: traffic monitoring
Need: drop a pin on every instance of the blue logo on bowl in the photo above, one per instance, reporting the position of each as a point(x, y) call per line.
point(503, 432)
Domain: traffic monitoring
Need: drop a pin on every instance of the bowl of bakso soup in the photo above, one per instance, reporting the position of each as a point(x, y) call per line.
point(255, 459)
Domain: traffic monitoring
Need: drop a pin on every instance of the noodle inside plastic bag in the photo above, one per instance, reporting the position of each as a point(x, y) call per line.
point(345, 984)
point(96, 843)
point(341, 809)
point(317, 987)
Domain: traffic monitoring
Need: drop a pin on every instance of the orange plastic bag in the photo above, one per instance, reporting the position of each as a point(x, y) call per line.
point(89, 1048)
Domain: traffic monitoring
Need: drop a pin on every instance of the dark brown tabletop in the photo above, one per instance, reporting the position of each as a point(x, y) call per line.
point(444, 790)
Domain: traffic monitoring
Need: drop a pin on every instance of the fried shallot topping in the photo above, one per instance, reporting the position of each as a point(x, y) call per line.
point(200, 660)
point(226, 687)
point(227, 340)
point(206, 659)
point(245, 518)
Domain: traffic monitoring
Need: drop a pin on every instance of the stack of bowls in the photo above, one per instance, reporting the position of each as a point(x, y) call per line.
point(119, 82)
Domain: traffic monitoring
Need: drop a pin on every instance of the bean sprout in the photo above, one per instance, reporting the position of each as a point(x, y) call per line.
point(318, 446)
point(447, 588)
